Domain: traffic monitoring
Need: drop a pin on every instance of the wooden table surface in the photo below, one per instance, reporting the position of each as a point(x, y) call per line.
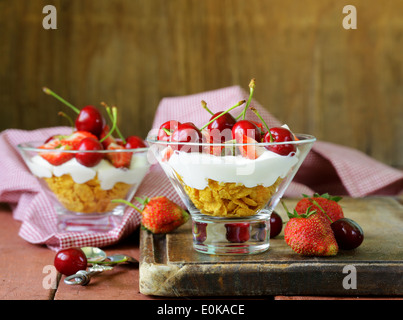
point(24, 275)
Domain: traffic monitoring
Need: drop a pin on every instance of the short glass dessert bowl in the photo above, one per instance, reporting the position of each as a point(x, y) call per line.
point(81, 195)
point(231, 189)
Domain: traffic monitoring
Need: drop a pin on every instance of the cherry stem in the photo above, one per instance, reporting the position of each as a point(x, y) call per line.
point(167, 131)
point(126, 202)
point(204, 104)
point(114, 120)
point(318, 205)
point(251, 91)
point(61, 113)
point(50, 92)
point(264, 122)
point(221, 114)
point(112, 117)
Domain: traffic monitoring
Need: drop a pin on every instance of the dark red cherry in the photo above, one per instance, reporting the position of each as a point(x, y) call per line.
point(89, 159)
point(186, 132)
point(247, 128)
point(220, 128)
point(237, 232)
point(280, 134)
point(348, 233)
point(134, 142)
point(199, 231)
point(70, 260)
point(90, 119)
point(276, 224)
point(171, 126)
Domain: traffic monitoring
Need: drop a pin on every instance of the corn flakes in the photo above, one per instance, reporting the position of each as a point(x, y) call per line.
point(230, 199)
point(87, 197)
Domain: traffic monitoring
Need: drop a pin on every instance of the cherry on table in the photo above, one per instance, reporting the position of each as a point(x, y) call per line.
point(237, 232)
point(280, 134)
point(246, 128)
point(199, 231)
point(90, 119)
point(348, 233)
point(89, 159)
point(70, 260)
point(276, 224)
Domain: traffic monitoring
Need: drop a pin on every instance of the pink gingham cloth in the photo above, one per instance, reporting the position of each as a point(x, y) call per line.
point(329, 167)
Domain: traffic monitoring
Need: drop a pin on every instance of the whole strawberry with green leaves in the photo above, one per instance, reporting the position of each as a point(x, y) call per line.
point(310, 234)
point(159, 214)
point(324, 204)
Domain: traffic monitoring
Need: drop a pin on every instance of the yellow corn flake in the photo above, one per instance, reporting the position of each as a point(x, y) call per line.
point(230, 199)
point(87, 197)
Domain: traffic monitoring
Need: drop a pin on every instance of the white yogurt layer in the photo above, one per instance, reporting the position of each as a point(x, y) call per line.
point(108, 175)
point(196, 168)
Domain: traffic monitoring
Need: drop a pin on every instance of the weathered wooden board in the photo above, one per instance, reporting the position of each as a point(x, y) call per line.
point(170, 267)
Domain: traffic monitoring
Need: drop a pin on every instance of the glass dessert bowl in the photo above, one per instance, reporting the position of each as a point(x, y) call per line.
point(81, 195)
point(231, 188)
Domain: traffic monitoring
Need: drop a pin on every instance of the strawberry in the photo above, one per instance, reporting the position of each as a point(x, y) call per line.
point(249, 151)
point(167, 153)
point(324, 204)
point(75, 138)
point(159, 214)
point(310, 234)
point(56, 158)
point(119, 159)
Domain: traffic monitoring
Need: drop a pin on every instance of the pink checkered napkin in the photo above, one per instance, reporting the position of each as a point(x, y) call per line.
point(328, 168)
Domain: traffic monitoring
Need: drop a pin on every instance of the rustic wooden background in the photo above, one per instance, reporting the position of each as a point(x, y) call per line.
point(343, 86)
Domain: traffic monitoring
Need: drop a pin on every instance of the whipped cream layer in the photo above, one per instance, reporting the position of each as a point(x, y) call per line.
point(196, 168)
point(107, 174)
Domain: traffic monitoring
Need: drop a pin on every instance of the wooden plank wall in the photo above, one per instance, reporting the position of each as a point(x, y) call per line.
point(343, 86)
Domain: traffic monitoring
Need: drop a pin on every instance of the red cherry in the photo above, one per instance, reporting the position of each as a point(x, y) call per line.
point(246, 128)
point(171, 126)
point(91, 120)
point(89, 159)
point(220, 128)
point(134, 142)
point(70, 260)
point(276, 224)
point(280, 134)
point(348, 233)
point(199, 232)
point(186, 132)
point(237, 232)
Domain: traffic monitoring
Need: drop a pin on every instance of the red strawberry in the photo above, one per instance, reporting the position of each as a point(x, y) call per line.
point(56, 158)
point(119, 159)
point(167, 153)
point(324, 204)
point(75, 138)
point(159, 214)
point(249, 151)
point(310, 234)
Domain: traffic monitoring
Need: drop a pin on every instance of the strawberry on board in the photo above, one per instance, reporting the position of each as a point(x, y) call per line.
point(119, 159)
point(159, 214)
point(56, 158)
point(310, 234)
point(324, 204)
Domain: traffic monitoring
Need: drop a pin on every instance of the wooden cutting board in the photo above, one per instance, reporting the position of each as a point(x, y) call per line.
point(170, 267)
